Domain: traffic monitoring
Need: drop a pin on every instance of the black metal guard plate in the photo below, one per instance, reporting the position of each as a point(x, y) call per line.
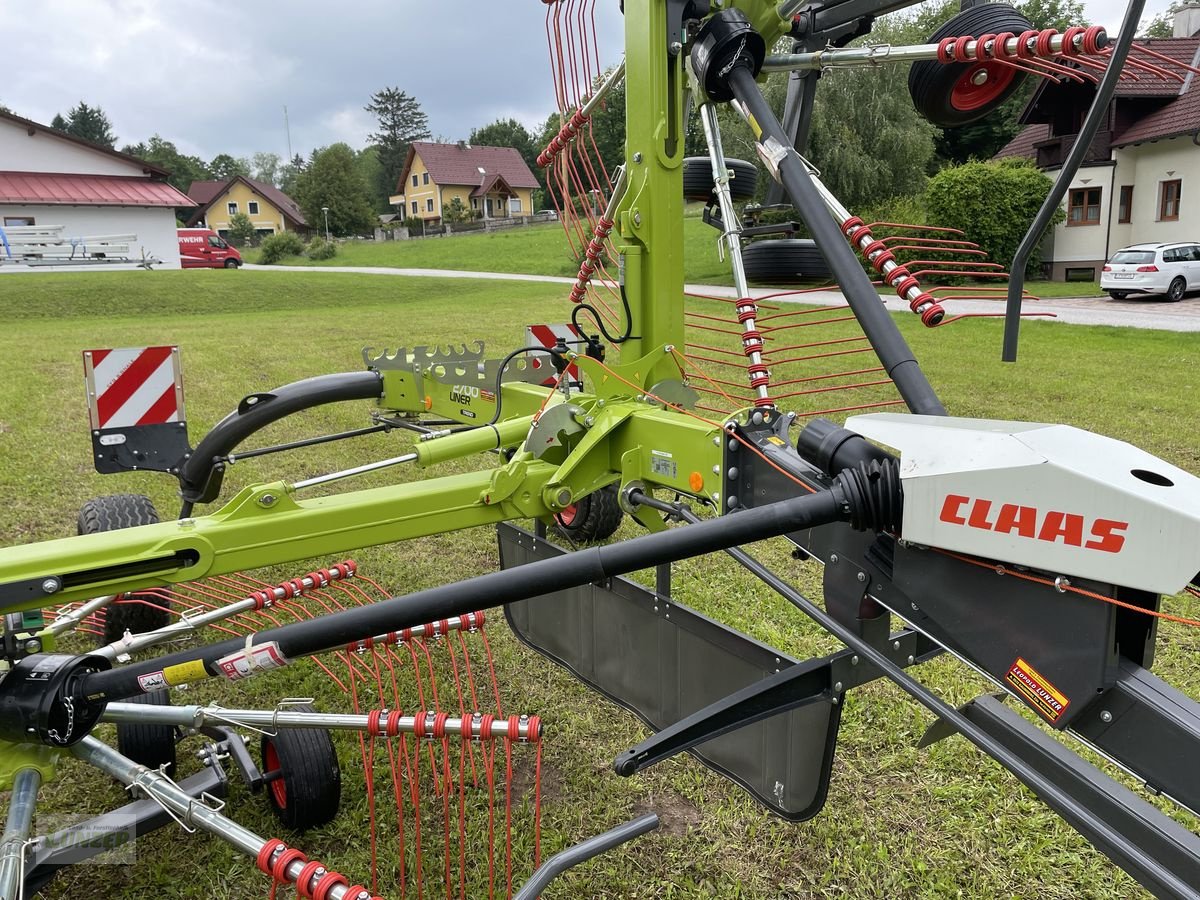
point(663, 661)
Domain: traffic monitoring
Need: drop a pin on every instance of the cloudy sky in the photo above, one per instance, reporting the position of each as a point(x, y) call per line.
point(214, 77)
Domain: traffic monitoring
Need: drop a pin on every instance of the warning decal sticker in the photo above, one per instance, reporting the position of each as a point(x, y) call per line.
point(1035, 689)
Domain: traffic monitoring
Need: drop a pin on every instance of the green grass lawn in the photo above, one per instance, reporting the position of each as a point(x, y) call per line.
point(900, 822)
point(544, 250)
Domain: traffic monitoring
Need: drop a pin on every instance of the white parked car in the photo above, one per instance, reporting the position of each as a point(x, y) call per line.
point(1170, 269)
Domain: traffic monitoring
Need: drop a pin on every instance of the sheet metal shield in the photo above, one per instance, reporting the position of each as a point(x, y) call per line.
point(617, 638)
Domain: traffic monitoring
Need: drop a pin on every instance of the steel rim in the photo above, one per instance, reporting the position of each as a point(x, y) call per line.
point(277, 786)
point(967, 95)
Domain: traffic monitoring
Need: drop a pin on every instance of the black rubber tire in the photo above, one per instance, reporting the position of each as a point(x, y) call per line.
point(1176, 289)
point(784, 261)
point(112, 513)
point(308, 789)
point(595, 517)
point(231, 263)
point(153, 746)
point(1118, 295)
point(698, 180)
point(931, 84)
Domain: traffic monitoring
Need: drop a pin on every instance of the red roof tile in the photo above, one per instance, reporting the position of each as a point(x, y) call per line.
point(1181, 116)
point(88, 190)
point(455, 164)
point(205, 192)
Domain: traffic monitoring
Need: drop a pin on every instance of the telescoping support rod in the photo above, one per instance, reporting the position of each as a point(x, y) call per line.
point(1083, 142)
point(16, 832)
point(842, 502)
point(889, 345)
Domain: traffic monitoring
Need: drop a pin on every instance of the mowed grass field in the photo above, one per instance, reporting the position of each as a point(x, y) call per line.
point(900, 822)
point(543, 250)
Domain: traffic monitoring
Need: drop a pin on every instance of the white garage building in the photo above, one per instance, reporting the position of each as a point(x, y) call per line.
point(48, 178)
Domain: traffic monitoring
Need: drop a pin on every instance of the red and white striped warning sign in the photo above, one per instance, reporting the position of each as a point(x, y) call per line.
point(547, 336)
point(133, 386)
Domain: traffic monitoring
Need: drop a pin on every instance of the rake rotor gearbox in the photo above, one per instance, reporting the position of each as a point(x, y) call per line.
point(42, 699)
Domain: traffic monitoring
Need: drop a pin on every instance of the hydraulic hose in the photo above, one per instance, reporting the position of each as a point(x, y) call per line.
point(201, 475)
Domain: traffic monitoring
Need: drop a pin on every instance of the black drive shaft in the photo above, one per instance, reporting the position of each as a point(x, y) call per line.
point(844, 501)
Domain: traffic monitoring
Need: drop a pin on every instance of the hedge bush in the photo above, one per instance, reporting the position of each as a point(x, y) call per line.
point(993, 202)
point(280, 245)
point(319, 248)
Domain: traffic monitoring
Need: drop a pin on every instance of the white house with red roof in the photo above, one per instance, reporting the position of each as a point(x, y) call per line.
point(1131, 186)
point(491, 182)
point(49, 178)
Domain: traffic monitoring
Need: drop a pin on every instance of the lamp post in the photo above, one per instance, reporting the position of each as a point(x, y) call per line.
point(325, 209)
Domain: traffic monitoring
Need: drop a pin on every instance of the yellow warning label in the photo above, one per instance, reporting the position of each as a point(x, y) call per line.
point(185, 672)
point(778, 442)
point(1039, 692)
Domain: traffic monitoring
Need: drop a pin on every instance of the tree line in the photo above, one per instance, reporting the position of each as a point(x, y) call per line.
point(866, 139)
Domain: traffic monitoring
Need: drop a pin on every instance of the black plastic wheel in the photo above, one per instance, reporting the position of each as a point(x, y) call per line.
point(153, 746)
point(698, 180)
point(595, 517)
point(112, 513)
point(1176, 289)
point(783, 261)
point(303, 779)
point(961, 93)
point(1118, 295)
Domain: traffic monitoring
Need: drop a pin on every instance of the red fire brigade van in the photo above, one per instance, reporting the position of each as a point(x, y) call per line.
point(203, 248)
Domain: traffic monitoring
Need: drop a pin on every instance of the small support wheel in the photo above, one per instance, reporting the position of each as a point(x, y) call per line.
point(595, 517)
point(139, 612)
point(152, 746)
point(698, 180)
point(784, 261)
point(1176, 289)
point(955, 94)
point(303, 779)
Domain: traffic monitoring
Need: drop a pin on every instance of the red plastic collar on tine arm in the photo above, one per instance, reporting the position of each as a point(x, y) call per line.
point(325, 885)
point(534, 732)
point(945, 53)
point(514, 727)
point(439, 725)
point(306, 877)
point(982, 50)
point(485, 727)
point(286, 858)
point(1091, 39)
point(960, 48)
point(1068, 44)
point(1045, 36)
point(1024, 50)
point(851, 223)
point(263, 860)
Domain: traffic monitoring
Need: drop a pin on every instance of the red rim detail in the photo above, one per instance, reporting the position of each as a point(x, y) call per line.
point(271, 764)
point(567, 516)
point(967, 95)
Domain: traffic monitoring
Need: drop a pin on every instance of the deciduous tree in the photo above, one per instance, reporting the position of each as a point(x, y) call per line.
point(333, 180)
point(225, 166)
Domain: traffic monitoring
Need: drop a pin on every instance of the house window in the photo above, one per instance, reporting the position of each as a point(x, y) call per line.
point(1083, 208)
point(474, 203)
point(429, 205)
point(1080, 274)
point(1168, 200)
point(425, 178)
point(1125, 209)
point(514, 204)
point(252, 207)
point(232, 207)
point(17, 221)
point(414, 205)
point(415, 182)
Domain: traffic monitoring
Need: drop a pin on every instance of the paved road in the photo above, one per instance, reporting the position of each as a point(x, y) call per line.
point(1148, 313)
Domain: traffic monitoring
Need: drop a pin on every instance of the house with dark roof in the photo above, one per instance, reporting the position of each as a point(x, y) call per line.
point(49, 179)
point(1131, 185)
point(269, 208)
point(492, 182)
